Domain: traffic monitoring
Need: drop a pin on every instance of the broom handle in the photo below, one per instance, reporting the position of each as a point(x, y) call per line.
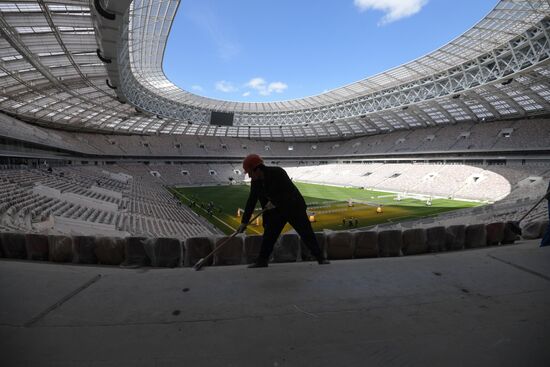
point(534, 206)
point(233, 235)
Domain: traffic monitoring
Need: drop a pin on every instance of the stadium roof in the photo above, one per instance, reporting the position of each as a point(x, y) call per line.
point(68, 65)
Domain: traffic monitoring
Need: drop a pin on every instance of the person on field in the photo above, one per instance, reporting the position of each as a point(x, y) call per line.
point(273, 188)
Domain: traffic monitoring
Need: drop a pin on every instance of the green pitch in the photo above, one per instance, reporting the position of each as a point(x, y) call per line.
point(329, 204)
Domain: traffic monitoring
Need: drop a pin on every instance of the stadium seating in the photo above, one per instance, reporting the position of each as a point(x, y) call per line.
point(467, 136)
point(143, 206)
point(119, 189)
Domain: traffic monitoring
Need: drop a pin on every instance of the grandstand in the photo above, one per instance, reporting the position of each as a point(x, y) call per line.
point(476, 137)
point(94, 137)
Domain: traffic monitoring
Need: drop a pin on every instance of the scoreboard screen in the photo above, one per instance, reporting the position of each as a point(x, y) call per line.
point(221, 118)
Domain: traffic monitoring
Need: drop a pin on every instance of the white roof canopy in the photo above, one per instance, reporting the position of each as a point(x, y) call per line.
point(67, 65)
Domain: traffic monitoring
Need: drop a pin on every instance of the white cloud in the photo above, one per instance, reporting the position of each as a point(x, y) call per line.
point(256, 83)
point(197, 88)
point(393, 9)
point(246, 94)
point(226, 87)
point(277, 87)
point(260, 85)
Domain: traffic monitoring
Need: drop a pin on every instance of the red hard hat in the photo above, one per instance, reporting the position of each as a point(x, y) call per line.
point(251, 161)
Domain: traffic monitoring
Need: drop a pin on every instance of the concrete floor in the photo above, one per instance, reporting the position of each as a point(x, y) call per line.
point(487, 307)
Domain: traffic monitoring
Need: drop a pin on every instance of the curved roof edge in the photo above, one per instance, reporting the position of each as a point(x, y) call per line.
point(149, 23)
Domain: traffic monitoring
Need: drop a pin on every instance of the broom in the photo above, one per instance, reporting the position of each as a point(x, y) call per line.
point(514, 226)
point(202, 261)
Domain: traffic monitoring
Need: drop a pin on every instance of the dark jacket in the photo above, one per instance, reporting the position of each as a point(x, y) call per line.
point(278, 188)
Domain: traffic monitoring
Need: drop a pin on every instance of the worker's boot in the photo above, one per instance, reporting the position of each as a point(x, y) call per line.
point(323, 261)
point(258, 264)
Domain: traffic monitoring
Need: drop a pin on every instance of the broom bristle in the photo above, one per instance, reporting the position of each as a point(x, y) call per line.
point(198, 265)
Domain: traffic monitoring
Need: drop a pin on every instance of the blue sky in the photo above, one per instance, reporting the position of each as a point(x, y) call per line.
point(269, 50)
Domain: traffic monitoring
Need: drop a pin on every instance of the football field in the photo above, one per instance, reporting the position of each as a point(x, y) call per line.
point(329, 207)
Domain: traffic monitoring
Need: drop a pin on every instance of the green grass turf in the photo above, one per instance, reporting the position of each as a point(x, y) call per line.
point(227, 199)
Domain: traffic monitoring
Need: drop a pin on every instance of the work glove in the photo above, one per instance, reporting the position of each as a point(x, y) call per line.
point(269, 206)
point(241, 228)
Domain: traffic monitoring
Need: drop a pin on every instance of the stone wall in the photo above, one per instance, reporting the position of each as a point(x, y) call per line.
point(172, 252)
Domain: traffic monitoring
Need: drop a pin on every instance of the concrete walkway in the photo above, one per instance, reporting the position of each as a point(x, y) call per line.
point(487, 307)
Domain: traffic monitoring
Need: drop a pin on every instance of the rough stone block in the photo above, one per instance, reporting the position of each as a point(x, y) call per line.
point(340, 245)
point(476, 236)
point(287, 248)
point(306, 255)
point(390, 243)
point(252, 246)
point(531, 230)
point(495, 233)
point(231, 253)
point(455, 237)
point(509, 236)
point(84, 250)
point(37, 247)
point(61, 248)
point(366, 244)
point(198, 248)
point(163, 252)
point(167, 252)
point(135, 253)
point(13, 245)
point(543, 228)
point(435, 238)
point(110, 250)
point(414, 241)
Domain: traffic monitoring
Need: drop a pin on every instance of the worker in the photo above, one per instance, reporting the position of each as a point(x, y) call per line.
point(546, 238)
point(273, 188)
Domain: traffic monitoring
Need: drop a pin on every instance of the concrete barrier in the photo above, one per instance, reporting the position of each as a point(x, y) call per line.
point(414, 241)
point(306, 255)
point(61, 248)
point(84, 250)
point(231, 253)
point(509, 236)
point(543, 228)
point(435, 238)
point(13, 245)
point(110, 250)
point(531, 230)
point(163, 252)
point(390, 243)
point(135, 253)
point(252, 246)
point(476, 236)
point(495, 233)
point(37, 247)
point(196, 249)
point(287, 248)
point(166, 252)
point(340, 245)
point(366, 244)
point(455, 237)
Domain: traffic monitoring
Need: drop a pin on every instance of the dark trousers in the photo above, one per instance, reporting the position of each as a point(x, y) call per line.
point(274, 224)
point(546, 239)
